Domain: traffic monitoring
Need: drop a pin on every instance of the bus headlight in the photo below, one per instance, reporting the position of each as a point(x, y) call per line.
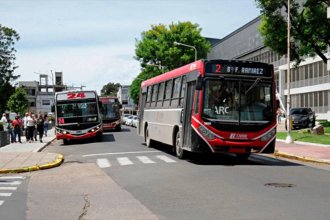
point(206, 133)
point(268, 135)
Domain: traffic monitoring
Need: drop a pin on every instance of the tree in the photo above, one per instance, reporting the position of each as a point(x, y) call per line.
point(110, 89)
point(157, 48)
point(310, 33)
point(18, 102)
point(8, 37)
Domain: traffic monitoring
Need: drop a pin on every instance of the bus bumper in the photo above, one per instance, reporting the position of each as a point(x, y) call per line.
point(68, 136)
point(112, 126)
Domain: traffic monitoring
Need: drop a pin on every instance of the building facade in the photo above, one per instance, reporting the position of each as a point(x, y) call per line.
point(41, 94)
point(310, 81)
point(124, 98)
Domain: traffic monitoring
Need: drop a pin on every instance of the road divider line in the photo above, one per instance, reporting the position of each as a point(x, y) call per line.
point(5, 194)
point(8, 188)
point(12, 177)
point(1, 202)
point(119, 153)
point(145, 159)
point(165, 158)
point(103, 163)
point(124, 161)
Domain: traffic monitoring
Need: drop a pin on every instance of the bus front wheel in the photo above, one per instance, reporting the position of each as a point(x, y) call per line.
point(149, 141)
point(178, 148)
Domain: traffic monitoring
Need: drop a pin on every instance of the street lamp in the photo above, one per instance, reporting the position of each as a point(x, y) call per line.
point(288, 116)
point(159, 66)
point(186, 45)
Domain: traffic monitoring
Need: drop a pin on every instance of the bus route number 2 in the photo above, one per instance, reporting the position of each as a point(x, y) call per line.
point(76, 95)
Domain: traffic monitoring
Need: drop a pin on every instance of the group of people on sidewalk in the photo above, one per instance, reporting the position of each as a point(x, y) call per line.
point(31, 125)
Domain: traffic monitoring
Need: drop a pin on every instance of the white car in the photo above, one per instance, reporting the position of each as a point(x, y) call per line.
point(124, 117)
point(129, 120)
point(135, 121)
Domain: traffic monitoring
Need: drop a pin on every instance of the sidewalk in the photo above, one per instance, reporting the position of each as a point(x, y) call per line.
point(26, 157)
point(302, 151)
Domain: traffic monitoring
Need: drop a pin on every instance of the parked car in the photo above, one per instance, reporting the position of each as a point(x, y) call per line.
point(124, 118)
point(129, 120)
point(302, 117)
point(135, 121)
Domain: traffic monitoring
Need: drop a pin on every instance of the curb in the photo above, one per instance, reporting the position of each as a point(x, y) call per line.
point(305, 143)
point(300, 158)
point(58, 161)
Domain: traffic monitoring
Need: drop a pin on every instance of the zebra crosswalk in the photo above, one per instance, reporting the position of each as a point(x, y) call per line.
point(127, 161)
point(8, 184)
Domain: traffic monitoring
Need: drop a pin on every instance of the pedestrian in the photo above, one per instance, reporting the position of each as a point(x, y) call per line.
point(46, 123)
point(4, 122)
point(279, 115)
point(16, 124)
point(30, 127)
point(35, 132)
point(26, 133)
point(40, 126)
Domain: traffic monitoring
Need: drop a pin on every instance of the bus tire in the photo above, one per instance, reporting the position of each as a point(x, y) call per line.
point(148, 140)
point(180, 153)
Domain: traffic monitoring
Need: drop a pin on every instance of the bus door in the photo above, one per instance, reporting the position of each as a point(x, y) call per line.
point(143, 99)
point(188, 103)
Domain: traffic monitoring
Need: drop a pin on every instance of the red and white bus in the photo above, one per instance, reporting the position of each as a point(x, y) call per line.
point(77, 115)
point(110, 112)
point(211, 106)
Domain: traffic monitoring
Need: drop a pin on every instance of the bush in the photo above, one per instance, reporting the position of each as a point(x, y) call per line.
point(1, 126)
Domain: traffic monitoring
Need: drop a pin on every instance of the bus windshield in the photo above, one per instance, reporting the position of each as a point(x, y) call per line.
point(69, 112)
point(110, 110)
point(238, 101)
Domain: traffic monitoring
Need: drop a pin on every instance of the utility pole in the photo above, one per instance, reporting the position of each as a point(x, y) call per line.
point(288, 102)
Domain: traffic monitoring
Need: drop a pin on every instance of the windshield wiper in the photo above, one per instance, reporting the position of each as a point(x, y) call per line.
point(253, 85)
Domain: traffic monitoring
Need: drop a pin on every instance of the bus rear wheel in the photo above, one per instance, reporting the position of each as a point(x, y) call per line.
point(149, 141)
point(178, 147)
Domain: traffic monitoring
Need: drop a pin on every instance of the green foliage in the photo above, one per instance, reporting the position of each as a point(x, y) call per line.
point(8, 37)
point(157, 48)
point(18, 101)
point(110, 89)
point(1, 126)
point(310, 33)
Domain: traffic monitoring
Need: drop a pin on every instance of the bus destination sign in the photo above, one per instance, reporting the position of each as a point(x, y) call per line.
point(238, 68)
point(75, 95)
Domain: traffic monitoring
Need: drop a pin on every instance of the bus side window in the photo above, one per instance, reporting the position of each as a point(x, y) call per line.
point(160, 97)
point(154, 95)
point(183, 89)
point(176, 92)
point(149, 96)
point(196, 105)
point(168, 93)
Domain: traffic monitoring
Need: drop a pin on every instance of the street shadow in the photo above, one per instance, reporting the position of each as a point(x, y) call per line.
point(106, 137)
point(224, 159)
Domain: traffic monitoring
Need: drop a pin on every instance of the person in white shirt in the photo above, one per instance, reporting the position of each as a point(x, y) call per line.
point(25, 126)
point(4, 122)
point(30, 127)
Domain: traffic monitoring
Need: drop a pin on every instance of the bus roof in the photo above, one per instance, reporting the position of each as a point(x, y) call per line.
point(197, 65)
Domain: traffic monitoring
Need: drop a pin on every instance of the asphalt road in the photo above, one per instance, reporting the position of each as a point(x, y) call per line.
point(120, 178)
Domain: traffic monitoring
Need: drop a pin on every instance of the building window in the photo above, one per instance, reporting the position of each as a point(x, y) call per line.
point(45, 102)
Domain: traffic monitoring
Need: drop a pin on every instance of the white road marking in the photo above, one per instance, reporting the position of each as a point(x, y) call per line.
point(12, 177)
point(165, 158)
point(119, 153)
point(5, 194)
point(13, 183)
point(7, 188)
point(124, 161)
point(145, 159)
point(103, 163)
point(1, 202)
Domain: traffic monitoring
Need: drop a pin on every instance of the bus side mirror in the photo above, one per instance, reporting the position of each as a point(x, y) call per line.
point(53, 108)
point(199, 83)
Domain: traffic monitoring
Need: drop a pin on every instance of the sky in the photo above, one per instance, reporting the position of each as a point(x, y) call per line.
point(93, 41)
